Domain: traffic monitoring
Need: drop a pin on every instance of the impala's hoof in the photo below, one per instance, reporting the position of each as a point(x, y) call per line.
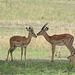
point(68, 57)
point(52, 61)
point(6, 60)
point(12, 61)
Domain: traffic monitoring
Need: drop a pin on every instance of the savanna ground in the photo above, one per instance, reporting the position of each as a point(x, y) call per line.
point(15, 15)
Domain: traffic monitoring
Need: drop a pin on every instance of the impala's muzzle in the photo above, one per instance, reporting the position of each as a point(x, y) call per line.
point(35, 36)
point(70, 57)
point(38, 34)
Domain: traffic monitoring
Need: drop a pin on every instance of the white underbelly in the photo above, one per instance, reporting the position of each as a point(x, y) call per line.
point(20, 46)
point(61, 44)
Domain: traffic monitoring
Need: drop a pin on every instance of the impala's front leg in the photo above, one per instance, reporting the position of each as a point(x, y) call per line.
point(21, 54)
point(25, 55)
point(53, 50)
point(8, 54)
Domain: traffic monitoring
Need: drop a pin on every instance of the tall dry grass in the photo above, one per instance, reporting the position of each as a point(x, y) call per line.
point(54, 28)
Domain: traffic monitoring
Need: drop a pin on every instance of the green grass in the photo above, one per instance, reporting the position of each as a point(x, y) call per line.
point(38, 68)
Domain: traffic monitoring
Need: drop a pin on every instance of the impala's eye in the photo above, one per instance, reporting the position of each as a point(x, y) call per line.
point(29, 27)
point(32, 32)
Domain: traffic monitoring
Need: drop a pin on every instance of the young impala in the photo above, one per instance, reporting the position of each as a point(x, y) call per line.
point(62, 39)
point(20, 41)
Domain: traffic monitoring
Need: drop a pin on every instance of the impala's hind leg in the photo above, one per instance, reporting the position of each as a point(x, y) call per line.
point(70, 48)
point(11, 51)
point(8, 54)
point(71, 45)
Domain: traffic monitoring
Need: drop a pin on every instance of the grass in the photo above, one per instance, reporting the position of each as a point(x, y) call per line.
point(38, 68)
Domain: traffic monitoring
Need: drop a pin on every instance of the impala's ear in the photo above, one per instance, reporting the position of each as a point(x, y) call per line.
point(46, 28)
point(27, 29)
point(31, 28)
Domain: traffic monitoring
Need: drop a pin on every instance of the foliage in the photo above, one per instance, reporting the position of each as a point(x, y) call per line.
point(70, 65)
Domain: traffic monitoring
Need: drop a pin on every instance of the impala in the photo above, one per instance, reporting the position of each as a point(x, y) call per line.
point(62, 39)
point(20, 41)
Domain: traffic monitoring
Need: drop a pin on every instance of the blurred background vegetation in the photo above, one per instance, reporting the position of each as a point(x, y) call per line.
point(50, 10)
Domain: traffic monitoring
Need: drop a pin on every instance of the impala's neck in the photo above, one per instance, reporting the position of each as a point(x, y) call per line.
point(47, 37)
point(29, 38)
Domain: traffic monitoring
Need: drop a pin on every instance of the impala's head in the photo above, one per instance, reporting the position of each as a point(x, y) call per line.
point(31, 31)
point(71, 56)
point(43, 29)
